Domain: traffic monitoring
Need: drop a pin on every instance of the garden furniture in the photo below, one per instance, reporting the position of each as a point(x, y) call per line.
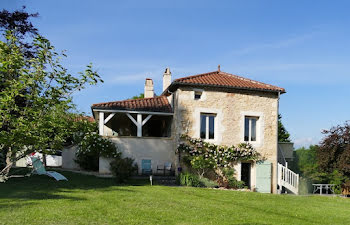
point(322, 187)
point(39, 168)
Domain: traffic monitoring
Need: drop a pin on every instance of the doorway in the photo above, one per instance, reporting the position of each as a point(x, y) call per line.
point(245, 173)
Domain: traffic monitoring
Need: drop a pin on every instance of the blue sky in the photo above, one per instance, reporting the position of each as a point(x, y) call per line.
point(303, 46)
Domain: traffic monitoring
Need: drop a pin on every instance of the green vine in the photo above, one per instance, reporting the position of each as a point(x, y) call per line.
point(204, 157)
point(216, 155)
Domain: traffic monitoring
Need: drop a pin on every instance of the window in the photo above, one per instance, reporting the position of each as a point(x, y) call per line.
point(197, 95)
point(207, 129)
point(250, 128)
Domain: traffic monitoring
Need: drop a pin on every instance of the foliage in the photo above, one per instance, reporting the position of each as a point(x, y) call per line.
point(189, 179)
point(18, 22)
point(208, 183)
point(228, 179)
point(283, 135)
point(123, 168)
point(142, 95)
point(91, 146)
point(306, 164)
point(36, 98)
point(337, 179)
point(334, 150)
point(203, 156)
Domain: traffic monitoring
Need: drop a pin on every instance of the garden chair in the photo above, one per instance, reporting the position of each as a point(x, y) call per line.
point(39, 168)
point(164, 168)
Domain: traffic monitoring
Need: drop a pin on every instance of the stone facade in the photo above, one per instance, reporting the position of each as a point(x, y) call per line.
point(230, 109)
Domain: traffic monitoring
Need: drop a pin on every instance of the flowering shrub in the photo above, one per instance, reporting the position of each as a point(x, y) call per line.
point(203, 156)
point(91, 146)
point(216, 155)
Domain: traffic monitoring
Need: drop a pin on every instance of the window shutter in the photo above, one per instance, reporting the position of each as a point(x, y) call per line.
point(263, 177)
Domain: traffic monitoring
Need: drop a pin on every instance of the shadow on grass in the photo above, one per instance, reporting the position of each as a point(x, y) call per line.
point(41, 187)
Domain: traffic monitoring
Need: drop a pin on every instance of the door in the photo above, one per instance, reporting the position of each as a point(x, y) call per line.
point(245, 173)
point(263, 177)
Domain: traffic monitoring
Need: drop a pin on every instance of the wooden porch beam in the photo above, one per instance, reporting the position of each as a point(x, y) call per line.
point(145, 120)
point(101, 123)
point(109, 117)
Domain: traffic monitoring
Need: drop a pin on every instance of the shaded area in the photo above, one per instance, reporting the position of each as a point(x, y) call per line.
point(39, 187)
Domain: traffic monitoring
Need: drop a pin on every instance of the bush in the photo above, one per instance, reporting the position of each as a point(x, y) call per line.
point(189, 179)
point(208, 183)
point(91, 147)
point(228, 180)
point(87, 160)
point(234, 183)
point(123, 168)
point(193, 180)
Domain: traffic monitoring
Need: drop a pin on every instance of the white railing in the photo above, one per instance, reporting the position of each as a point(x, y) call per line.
point(287, 179)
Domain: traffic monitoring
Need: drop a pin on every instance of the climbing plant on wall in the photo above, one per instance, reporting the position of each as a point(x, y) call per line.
point(204, 156)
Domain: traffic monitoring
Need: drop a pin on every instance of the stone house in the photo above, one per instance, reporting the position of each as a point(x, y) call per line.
point(218, 107)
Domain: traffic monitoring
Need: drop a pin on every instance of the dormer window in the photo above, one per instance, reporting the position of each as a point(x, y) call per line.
point(197, 94)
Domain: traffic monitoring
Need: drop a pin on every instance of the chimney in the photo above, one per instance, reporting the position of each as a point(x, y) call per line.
point(149, 90)
point(166, 78)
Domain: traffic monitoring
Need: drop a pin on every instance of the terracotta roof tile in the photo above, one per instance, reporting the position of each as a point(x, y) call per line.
point(156, 104)
point(222, 79)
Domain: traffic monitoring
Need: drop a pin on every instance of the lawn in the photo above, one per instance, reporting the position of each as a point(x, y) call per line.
point(90, 200)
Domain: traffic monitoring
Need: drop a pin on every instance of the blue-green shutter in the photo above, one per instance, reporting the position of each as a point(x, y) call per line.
point(263, 177)
point(146, 166)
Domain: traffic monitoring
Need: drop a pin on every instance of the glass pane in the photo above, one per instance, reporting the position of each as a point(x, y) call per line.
point(197, 95)
point(211, 127)
point(253, 132)
point(203, 127)
point(246, 129)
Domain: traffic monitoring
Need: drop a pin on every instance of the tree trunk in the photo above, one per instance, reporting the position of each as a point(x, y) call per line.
point(5, 172)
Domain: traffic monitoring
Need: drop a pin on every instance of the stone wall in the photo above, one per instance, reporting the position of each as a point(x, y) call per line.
point(158, 150)
point(230, 109)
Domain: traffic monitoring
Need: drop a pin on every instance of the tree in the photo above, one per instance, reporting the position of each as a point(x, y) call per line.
point(45, 88)
point(305, 163)
point(334, 151)
point(142, 95)
point(283, 135)
point(19, 23)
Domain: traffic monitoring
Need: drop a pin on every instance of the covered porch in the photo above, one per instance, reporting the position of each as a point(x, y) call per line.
point(142, 129)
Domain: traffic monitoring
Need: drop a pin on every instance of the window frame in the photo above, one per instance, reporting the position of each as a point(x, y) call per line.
point(207, 130)
point(198, 91)
point(250, 128)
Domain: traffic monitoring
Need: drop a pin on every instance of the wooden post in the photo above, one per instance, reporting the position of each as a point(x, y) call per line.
point(139, 125)
point(101, 123)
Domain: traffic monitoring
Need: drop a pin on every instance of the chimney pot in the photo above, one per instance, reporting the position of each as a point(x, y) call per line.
point(166, 78)
point(149, 89)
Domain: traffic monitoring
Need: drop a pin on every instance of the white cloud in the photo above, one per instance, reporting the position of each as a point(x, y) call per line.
point(305, 142)
point(276, 45)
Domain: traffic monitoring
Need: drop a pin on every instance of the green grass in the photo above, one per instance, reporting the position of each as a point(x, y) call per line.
point(91, 200)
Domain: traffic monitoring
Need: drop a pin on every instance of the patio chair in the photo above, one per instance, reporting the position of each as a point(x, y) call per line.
point(146, 166)
point(39, 168)
point(164, 168)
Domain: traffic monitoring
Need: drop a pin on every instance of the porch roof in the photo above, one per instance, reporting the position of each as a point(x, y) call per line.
point(155, 104)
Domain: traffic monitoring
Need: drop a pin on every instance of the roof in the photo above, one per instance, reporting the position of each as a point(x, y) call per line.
point(223, 80)
point(155, 104)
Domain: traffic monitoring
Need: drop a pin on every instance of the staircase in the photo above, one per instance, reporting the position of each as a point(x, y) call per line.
point(287, 178)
